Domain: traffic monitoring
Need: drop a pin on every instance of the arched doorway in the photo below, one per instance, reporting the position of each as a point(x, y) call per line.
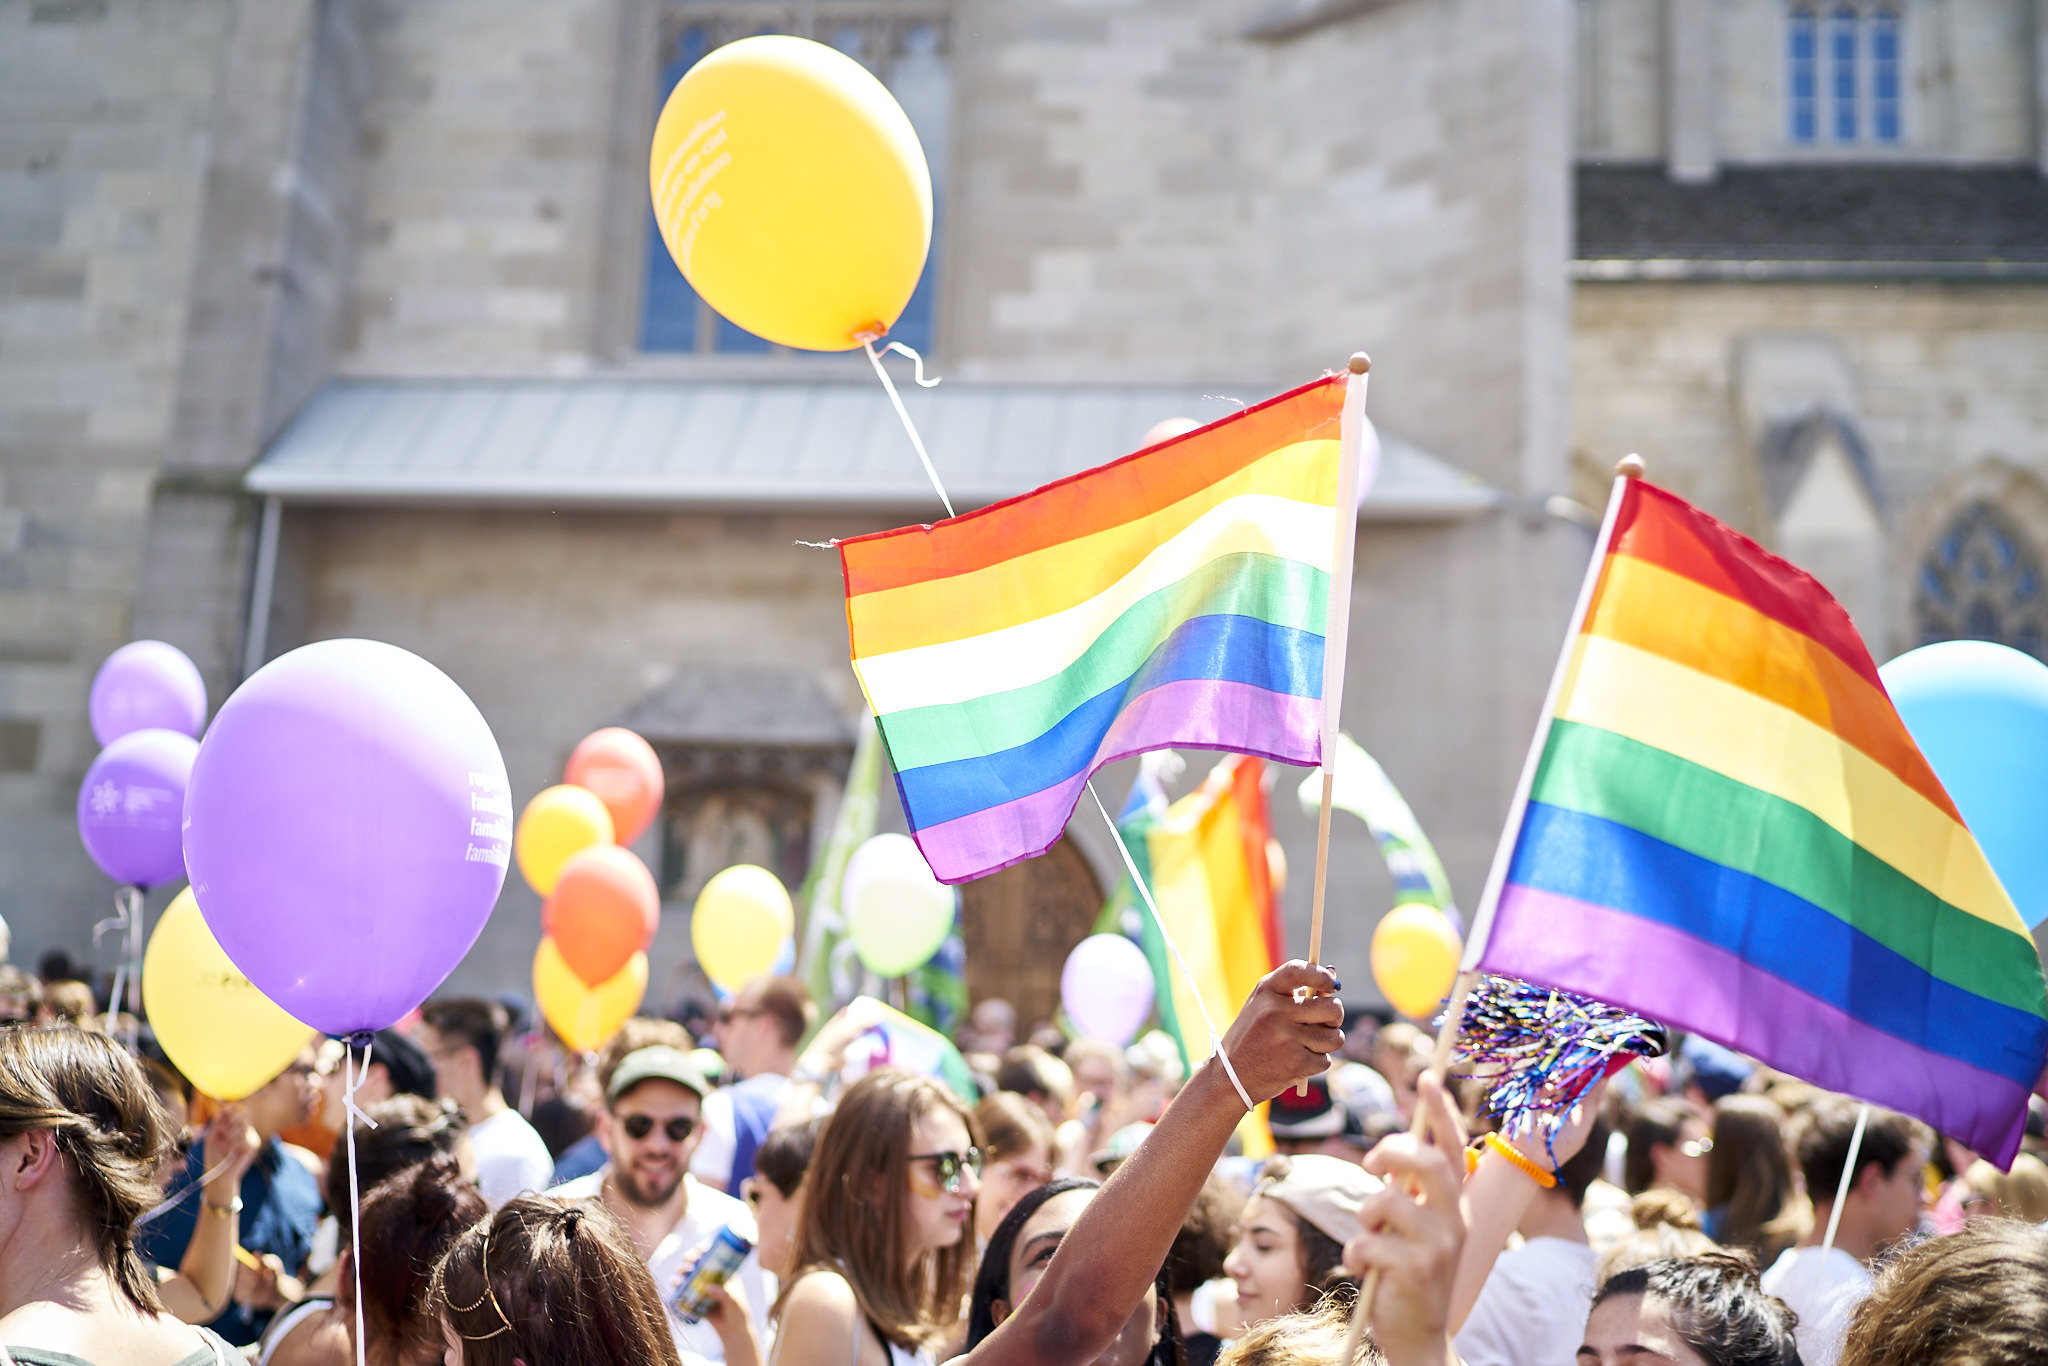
point(1019, 925)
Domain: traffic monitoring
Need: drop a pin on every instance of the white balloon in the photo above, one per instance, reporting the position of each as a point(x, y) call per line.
point(896, 912)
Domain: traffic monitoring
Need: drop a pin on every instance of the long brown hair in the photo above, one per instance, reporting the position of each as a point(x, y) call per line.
point(1749, 1179)
point(108, 1122)
point(409, 1221)
point(546, 1281)
point(852, 1220)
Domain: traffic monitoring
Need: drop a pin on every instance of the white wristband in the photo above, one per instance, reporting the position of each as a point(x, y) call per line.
point(1231, 1072)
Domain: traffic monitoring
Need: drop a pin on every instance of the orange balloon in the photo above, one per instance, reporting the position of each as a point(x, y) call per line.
point(624, 772)
point(602, 911)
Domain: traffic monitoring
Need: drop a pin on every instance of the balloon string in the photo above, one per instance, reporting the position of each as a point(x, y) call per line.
point(1201, 1007)
point(352, 1080)
point(902, 413)
point(158, 1211)
point(127, 918)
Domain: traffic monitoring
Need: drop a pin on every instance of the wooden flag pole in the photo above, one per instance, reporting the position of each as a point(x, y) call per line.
point(1630, 467)
point(1337, 619)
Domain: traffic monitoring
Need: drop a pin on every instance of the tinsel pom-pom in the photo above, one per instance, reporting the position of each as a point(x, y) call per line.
point(1540, 1050)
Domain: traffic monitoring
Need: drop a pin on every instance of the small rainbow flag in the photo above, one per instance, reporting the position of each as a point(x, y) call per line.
point(1730, 829)
point(1175, 597)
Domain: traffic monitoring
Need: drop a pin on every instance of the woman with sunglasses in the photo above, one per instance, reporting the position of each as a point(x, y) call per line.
point(884, 1252)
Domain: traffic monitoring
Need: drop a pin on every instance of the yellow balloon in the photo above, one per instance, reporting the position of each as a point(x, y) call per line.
point(222, 1032)
point(790, 188)
point(586, 1017)
point(1415, 959)
point(742, 916)
point(559, 822)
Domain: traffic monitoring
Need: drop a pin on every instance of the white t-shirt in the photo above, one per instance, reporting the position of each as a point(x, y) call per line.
point(511, 1159)
point(705, 1211)
point(1824, 1292)
point(1532, 1309)
point(713, 1159)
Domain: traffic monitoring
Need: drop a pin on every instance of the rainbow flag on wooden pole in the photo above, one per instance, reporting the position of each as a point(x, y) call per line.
point(1724, 824)
point(1179, 596)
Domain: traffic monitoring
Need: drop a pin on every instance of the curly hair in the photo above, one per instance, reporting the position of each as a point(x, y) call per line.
point(1978, 1297)
point(1718, 1307)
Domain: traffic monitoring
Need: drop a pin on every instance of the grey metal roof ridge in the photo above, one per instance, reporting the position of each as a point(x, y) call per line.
point(1614, 269)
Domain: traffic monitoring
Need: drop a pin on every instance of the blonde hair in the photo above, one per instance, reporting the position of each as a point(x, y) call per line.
point(1310, 1337)
point(1667, 1229)
point(109, 1126)
point(852, 1220)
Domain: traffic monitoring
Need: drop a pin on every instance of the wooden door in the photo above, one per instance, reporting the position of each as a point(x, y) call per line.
point(1019, 925)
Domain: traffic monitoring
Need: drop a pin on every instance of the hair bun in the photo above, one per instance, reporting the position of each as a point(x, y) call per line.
point(1664, 1209)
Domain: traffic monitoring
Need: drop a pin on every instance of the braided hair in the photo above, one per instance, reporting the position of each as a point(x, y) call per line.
point(109, 1126)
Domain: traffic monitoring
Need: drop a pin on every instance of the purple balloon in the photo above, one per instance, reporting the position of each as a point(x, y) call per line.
point(347, 828)
point(130, 803)
point(147, 684)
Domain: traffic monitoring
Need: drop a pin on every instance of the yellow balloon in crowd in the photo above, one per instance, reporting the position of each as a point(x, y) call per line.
point(559, 823)
point(586, 1017)
point(741, 918)
point(1415, 959)
point(219, 1030)
point(790, 188)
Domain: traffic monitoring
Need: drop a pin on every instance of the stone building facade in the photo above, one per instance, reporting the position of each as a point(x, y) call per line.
point(325, 317)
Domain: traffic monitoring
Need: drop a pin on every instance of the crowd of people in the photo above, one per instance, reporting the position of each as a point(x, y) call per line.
point(510, 1203)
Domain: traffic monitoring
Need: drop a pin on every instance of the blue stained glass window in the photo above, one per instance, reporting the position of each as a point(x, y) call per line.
point(673, 318)
point(1842, 44)
point(1884, 77)
point(1981, 581)
point(1802, 75)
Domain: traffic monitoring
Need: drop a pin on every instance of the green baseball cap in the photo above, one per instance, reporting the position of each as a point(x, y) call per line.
point(658, 1063)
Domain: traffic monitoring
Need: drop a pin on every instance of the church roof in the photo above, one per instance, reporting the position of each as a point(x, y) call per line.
point(1902, 219)
point(659, 443)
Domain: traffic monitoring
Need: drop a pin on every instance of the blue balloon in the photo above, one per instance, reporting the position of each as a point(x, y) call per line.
point(1979, 712)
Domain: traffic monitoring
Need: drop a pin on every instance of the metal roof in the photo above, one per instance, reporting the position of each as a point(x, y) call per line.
point(670, 444)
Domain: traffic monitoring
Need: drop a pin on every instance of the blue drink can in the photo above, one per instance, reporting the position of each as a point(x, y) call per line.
point(721, 1257)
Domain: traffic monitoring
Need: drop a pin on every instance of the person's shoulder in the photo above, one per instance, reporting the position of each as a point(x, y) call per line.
point(579, 1188)
point(322, 1339)
point(820, 1290)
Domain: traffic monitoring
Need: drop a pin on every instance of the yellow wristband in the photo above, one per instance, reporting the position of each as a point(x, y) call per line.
point(1472, 1158)
point(1535, 1173)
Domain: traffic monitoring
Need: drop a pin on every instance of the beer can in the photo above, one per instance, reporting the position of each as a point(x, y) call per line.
point(721, 1257)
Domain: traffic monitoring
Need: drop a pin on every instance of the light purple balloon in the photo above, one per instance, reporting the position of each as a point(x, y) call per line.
point(146, 684)
point(130, 803)
point(347, 829)
point(1106, 988)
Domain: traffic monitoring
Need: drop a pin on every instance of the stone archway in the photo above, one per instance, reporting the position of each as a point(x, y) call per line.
point(1019, 925)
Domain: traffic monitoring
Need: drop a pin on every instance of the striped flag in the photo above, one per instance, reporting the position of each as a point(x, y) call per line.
point(1175, 597)
point(1729, 829)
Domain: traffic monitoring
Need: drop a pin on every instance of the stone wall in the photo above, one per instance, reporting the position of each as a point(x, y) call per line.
point(106, 116)
point(1943, 382)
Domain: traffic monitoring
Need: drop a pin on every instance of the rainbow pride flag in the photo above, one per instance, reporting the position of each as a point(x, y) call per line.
point(1730, 829)
point(1175, 597)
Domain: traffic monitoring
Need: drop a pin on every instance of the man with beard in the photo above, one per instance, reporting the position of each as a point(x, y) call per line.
point(651, 1125)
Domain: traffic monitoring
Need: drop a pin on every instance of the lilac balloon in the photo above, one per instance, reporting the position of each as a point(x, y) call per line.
point(146, 684)
point(347, 828)
point(130, 803)
point(1106, 988)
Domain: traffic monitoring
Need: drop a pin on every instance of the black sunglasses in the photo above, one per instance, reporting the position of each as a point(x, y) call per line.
point(678, 1129)
point(948, 1166)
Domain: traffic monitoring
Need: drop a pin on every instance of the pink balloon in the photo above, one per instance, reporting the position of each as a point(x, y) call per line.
point(1106, 988)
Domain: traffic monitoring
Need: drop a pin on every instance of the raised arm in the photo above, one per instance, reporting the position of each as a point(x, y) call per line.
point(1106, 1263)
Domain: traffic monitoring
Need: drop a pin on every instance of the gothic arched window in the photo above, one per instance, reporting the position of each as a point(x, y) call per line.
point(1982, 581)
